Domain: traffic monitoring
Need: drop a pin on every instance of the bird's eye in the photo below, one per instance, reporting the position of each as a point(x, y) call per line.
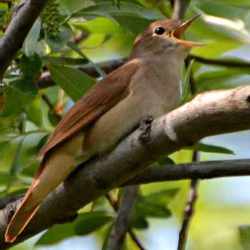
point(159, 30)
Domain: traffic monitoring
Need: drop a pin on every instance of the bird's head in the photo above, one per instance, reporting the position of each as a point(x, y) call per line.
point(164, 36)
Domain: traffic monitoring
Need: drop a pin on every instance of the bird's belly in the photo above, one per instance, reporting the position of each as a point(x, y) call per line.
point(120, 121)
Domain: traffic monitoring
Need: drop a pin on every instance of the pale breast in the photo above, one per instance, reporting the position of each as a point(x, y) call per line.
point(150, 95)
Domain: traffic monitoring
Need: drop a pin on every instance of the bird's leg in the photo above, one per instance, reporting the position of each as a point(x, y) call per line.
point(145, 127)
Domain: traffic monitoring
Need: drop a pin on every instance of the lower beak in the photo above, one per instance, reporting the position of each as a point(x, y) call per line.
point(180, 30)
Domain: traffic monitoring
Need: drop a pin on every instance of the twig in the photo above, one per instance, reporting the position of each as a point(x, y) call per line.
point(189, 208)
point(53, 111)
point(115, 206)
point(15, 34)
point(45, 79)
point(179, 8)
point(121, 225)
point(6, 1)
point(220, 62)
point(188, 213)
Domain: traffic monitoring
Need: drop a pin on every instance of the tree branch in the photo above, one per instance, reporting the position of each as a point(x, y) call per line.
point(220, 62)
point(179, 8)
point(207, 114)
point(202, 170)
point(46, 81)
point(121, 224)
point(20, 25)
point(189, 208)
point(115, 206)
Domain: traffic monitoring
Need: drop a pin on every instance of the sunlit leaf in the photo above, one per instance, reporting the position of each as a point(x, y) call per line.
point(74, 82)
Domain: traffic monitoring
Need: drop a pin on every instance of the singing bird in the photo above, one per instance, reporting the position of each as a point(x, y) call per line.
point(148, 84)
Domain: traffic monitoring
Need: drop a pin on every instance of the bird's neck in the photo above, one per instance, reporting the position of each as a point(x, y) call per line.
point(164, 77)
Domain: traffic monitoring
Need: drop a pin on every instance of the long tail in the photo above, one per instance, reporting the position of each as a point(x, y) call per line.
point(55, 171)
point(22, 216)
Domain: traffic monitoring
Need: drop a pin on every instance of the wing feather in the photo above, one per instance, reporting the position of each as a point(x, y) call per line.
point(102, 97)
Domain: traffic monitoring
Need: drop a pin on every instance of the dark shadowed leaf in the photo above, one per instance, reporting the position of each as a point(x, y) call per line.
point(165, 160)
point(90, 222)
point(244, 233)
point(213, 149)
point(155, 204)
point(21, 91)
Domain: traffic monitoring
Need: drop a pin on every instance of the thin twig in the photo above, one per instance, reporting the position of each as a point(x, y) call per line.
point(232, 63)
point(189, 208)
point(188, 213)
point(46, 81)
point(51, 107)
point(115, 206)
point(179, 8)
point(124, 213)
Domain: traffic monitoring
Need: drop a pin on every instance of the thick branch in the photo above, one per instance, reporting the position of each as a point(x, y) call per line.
point(207, 114)
point(21, 23)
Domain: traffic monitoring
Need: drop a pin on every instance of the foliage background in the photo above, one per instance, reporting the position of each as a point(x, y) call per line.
point(106, 30)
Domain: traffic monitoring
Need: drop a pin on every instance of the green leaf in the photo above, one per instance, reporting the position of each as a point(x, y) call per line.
point(34, 112)
point(213, 149)
point(73, 81)
point(31, 41)
point(244, 233)
point(84, 224)
point(139, 222)
point(186, 88)
point(148, 209)
point(128, 9)
point(165, 160)
point(21, 91)
point(155, 204)
point(90, 222)
point(162, 197)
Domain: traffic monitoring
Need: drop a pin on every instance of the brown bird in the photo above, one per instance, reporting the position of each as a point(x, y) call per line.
point(147, 85)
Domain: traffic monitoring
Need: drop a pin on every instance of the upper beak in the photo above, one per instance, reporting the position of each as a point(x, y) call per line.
point(180, 30)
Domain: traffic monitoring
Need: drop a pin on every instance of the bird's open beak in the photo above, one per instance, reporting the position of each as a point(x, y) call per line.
point(180, 30)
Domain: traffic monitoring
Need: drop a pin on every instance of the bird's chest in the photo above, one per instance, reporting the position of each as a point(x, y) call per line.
point(149, 95)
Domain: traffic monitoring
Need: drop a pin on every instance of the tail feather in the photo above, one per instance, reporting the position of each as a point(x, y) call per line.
point(52, 172)
point(21, 218)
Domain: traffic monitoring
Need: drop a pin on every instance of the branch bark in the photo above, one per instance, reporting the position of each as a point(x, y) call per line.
point(20, 25)
point(179, 8)
point(115, 205)
point(189, 208)
point(202, 170)
point(121, 224)
point(207, 114)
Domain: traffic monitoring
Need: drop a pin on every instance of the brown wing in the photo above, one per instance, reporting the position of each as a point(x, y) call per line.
point(103, 96)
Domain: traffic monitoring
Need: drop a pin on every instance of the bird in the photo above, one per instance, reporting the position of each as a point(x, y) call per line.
point(148, 84)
